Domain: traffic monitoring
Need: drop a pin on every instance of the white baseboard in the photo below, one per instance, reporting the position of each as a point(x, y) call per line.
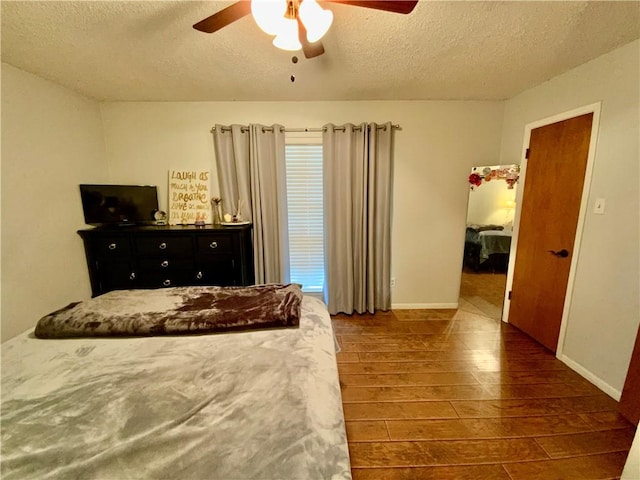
point(423, 306)
point(597, 381)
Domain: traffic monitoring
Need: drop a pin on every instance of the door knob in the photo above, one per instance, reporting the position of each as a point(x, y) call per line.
point(564, 253)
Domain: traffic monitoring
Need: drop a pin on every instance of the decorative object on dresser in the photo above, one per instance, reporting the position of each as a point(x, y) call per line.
point(160, 217)
point(189, 197)
point(216, 208)
point(169, 256)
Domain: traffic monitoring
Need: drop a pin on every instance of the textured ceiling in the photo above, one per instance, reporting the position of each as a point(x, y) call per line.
point(148, 51)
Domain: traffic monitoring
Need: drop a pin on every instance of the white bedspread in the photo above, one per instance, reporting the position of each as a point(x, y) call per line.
point(252, 405)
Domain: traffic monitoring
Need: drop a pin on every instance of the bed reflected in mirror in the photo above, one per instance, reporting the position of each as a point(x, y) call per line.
point(489, 225)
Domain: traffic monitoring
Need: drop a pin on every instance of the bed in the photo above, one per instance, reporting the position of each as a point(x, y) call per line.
point(261, 404)
point(487, 247)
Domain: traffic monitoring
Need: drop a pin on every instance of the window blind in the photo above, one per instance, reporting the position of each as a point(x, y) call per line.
point(305, 211)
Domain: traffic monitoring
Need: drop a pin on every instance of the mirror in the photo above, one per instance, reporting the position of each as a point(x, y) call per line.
point(490, 214)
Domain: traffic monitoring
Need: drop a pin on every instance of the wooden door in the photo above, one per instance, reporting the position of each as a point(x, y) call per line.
point(630, 400)
point(557, 161)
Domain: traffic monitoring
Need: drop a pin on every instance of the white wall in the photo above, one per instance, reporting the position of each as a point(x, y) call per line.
point(604, 311)
point(438, 144)
point(51, 141)
point(632, 466)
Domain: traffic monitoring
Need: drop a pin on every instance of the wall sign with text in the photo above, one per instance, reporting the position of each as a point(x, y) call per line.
point(189, 197)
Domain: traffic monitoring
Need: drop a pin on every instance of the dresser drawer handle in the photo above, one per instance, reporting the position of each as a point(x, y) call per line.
point(199, 275)
point(213, 245)
point(162, 246)
point(166, 283)
point(165, 264)
point(132, 276)
point(112, 246)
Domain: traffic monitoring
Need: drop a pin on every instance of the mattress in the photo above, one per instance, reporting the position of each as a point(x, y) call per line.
point(251, 405)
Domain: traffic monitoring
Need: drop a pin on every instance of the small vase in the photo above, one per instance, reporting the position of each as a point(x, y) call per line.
point(217, 215)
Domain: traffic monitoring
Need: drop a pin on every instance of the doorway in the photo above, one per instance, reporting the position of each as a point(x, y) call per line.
point(489, 226)
point(548, 225)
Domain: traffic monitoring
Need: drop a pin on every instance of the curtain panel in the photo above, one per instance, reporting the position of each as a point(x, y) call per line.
point(358, 181)
point(250, 161)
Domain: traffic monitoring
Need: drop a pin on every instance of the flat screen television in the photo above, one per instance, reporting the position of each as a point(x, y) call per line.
point(119, 205)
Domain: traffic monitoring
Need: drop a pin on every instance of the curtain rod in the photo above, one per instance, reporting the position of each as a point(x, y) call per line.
point(320, 129)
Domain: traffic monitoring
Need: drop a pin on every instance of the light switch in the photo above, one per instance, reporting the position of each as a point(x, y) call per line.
point(598, 208)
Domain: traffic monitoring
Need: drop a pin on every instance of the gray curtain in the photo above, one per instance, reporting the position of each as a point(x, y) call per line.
point(250, 161)
point(358, 181)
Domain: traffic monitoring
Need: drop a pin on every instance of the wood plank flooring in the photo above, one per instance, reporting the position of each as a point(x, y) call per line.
point(455, 394)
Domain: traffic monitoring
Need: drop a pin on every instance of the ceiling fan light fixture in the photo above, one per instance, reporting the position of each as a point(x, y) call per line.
point(287, 37)
point(315, 19)
point(269, 15)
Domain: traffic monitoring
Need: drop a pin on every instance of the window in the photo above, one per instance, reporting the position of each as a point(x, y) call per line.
point(305, 211)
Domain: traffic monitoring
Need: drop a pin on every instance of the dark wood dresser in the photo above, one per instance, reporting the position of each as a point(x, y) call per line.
point(167, 256)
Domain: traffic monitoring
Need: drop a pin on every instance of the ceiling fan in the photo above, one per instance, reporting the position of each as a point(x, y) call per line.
point(296, 24)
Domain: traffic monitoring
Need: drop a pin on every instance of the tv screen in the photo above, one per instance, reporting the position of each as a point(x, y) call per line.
point(119, 204)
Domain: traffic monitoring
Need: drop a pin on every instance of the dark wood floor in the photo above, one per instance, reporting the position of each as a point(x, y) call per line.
point(455, 394)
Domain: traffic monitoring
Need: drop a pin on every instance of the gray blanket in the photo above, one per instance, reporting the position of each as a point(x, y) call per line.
point(171, 311)
point(257, 405)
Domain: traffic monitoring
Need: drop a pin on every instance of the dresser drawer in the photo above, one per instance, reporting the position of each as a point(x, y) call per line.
point(214, 244)
point(217, 271)
point(166, 271)
point(115, 246)
point(174, 278)
point(165, 245)
point(116, 275)
point(165, 264)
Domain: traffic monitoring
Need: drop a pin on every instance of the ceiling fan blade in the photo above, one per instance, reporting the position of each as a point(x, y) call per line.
point(309, 49)
point(395, 6)
point(224, 17)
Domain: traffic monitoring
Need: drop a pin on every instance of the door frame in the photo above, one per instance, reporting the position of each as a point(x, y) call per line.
point(584, 208)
